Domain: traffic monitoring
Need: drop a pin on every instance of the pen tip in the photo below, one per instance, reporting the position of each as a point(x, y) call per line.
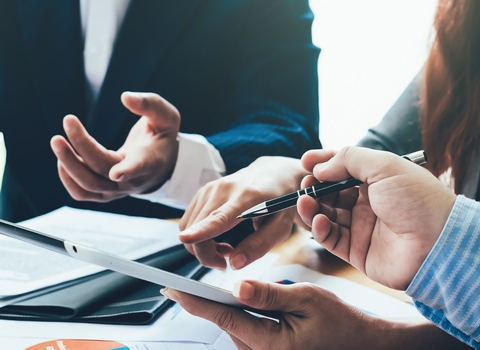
point(239, 217)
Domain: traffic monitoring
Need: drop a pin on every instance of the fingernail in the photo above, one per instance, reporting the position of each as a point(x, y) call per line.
point(135, 94)
point(67, 121)
point(243, 290)
point(66, 125)
point(169, 293)
point(238, 261)
point(55, 146)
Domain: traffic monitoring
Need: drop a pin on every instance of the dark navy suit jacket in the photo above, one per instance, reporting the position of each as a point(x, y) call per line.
point(243, 73)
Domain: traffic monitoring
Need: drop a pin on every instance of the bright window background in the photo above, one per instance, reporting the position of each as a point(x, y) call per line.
point(371, 50)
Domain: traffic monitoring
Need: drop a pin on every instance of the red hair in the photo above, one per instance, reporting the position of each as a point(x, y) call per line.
point(451, 95)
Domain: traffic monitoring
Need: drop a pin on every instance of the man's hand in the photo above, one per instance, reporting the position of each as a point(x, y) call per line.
point(146, 160)
point(215, 207)
point(387, 226)
point(312, 318)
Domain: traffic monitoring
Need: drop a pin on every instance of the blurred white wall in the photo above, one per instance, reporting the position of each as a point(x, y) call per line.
point(371, 49)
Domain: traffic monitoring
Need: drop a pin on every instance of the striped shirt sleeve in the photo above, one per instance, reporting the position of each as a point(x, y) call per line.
point(446, 288)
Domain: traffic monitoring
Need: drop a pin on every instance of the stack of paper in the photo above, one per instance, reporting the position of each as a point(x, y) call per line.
point(25, 268)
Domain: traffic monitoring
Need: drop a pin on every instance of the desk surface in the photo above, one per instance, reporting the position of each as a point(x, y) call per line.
point(299, 248)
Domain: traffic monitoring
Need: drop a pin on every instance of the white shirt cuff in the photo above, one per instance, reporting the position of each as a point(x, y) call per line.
point(198, 162)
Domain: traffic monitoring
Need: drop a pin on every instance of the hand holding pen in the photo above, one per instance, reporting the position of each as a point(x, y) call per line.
point(215, 207)
point(316, 191)
point(385, 227)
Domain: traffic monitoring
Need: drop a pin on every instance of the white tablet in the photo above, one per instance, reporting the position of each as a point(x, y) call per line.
point(122, 265)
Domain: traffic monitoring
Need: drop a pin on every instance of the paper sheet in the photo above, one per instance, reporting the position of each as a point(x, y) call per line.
point(25, 267)
point(364, 298)
point(223, 342)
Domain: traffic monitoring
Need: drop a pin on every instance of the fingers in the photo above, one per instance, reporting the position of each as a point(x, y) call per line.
point(189, 214)
point(212, 254)
point(199, 235)
point(137, 162)
point(97, 157)
point(308, 181)
point(219, 221)
point(313, 157)
point(367, 165)
point(307, 209)
point(363, 223)
point(159, 111)
point(337, 208)
point(198, 238)
point(74, 190)
point(77, 170)
point(334, 236)
point(243, 326)
point(273, 231)
point(212, 260)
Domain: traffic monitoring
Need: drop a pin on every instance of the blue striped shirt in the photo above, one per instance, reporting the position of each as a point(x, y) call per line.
point(446, 288)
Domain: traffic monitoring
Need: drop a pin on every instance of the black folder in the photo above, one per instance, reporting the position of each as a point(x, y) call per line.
point(108, 297)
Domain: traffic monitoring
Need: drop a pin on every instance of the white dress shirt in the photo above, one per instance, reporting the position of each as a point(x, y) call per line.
point(198, 161)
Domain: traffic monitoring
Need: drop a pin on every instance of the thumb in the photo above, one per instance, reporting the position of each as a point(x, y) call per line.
point(274, 296)
point(364, 164)
point(132, 166)
point(160, 112)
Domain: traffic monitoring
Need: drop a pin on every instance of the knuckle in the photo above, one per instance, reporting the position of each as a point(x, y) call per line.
point(220, 187)
point(348, 151)
point(225, 319)
point(269, 296)
point(145, 101)
point(253, 193)
point(258, 244)
point(220, 216)
point(308, 293)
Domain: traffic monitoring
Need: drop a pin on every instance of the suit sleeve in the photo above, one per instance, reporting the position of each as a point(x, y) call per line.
point(400, 130)
point(275, 100)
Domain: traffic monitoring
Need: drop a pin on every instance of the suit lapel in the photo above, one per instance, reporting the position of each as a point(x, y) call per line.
point(471, 183)
point(52, 36)
point(148, 32)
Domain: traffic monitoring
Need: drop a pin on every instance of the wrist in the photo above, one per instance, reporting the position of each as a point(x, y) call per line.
point(412, 334)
